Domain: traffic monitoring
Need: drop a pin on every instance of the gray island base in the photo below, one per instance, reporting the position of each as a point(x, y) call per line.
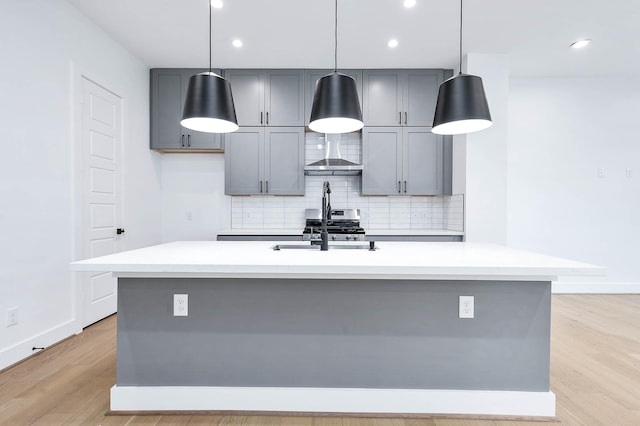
point(370, 341)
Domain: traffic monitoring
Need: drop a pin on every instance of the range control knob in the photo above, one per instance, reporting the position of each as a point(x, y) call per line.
point(348, 238)
point(333, 237)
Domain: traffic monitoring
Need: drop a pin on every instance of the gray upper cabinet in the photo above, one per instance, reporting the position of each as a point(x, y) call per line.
point(247, 87)
point(382, 98)
point(400, 97)
point(422, 162)
point(419, 97)
point(284, 98)
point(311, 79)
point(168, 92)
point(268, 97)
point(244, 161)
point(382, 161)
point(404, 161)
point(265, 161)
point(284, 161)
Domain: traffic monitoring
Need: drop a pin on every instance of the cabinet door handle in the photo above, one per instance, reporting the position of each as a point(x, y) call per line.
point(405, 186)
point(405, 117)
point(189, 141)
point(182, 140)
point(267, 118)
point(400, 117)
point(260, 117)
point(266, 183)
point(399, 187)
point(261, 187)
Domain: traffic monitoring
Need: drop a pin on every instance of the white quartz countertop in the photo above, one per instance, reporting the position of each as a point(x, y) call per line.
point(397, 260)
point(262, 231)
point(412, 232)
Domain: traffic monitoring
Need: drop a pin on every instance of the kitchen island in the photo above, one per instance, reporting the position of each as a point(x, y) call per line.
point(345, 330)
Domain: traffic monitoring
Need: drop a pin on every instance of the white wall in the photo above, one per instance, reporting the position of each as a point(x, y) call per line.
point(486, 155)
point(46, 46)
point(193, 183)
point(561, 131)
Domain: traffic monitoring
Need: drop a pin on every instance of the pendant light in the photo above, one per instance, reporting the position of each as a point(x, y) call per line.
point(208, 106)
point(462, 105)
point(336, 108)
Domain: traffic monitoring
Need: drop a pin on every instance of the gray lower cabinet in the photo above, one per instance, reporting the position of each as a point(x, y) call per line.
point(268, 97)
point(400, 97)
point(404, 161)
point(311, 79)
point(265, 161)
point(168, 92)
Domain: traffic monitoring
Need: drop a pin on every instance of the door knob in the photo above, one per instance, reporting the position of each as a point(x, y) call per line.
point(120, 231)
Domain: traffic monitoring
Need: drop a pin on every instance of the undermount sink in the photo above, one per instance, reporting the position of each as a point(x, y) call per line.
point(369, 246)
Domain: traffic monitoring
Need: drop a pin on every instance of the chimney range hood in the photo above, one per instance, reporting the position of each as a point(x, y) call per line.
point(332, 163)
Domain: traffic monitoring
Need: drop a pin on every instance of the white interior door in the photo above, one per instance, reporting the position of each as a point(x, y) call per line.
point(101, 194)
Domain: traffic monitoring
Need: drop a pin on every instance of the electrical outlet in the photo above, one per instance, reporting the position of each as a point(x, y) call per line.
point(628, 173)
point(419, 214)
point(180, 305)
point(13, 316)
point(601, 172)
point(466, 307)
point(189, 216)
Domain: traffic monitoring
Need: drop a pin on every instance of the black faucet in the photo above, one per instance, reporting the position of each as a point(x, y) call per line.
point(326, 215)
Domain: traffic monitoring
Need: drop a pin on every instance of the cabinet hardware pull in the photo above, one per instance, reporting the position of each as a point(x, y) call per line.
point(260, 117)
point(182, 140)
point(405, 119)
point(267, 118)
point(266, 182)
point(405, 186)
point(189, 141)
point(399, 187)
point(400, 117)
point(261, 187)
point(120, 231)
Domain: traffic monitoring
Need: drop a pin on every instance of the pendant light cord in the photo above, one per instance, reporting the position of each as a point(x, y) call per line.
point(210, 47)
point(460, 72)
point(335, 39)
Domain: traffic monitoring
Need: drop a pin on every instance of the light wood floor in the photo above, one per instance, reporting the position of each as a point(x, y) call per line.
point(595, 374)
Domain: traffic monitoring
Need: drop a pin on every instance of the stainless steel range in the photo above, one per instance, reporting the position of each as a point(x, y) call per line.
point(342, 225)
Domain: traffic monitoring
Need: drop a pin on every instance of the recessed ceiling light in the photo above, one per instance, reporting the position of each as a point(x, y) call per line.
point(392, 43)
point(409, 3)
point(580, 43)
point(217, 4)
point(237, 43)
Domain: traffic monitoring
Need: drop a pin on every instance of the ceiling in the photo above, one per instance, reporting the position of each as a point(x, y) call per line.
point(299, 33)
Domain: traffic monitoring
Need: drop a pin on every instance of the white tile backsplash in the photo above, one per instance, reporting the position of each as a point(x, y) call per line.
point(454, 213)
point(418, 212)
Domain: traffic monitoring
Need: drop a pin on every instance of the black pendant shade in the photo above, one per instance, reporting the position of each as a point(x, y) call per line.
point(208, 106)
point(461, 107)
point(336, 107)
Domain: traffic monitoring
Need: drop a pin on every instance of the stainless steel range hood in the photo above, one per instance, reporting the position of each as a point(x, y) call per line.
point(333, 163)
point(333, 166)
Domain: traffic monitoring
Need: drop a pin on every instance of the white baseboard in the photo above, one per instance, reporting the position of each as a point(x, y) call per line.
point(24, 349)
point(332, 400)
point(594, 287)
